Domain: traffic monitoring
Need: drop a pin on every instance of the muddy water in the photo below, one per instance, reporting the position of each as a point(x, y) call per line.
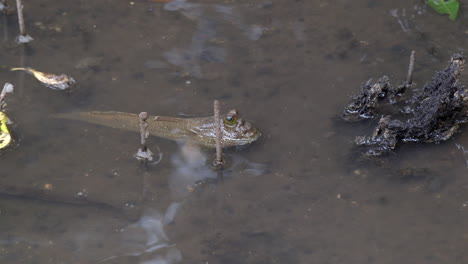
point(299, 195)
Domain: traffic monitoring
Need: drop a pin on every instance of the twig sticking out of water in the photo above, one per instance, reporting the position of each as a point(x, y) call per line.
point(143, 116)
point(19, 8)
point(23, 37)
point(143, 154)
point(407, 84)
point(5, 9)
point(219, 162)
point(7, 88)
point(409, 77)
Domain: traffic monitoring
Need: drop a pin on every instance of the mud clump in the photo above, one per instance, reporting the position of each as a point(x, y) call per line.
point(436, 111)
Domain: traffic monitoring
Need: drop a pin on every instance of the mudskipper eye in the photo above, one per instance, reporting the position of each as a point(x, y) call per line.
point(230, 120)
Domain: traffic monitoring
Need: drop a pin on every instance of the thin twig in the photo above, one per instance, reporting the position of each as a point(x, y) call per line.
point(23, 37)
point(409, 78)
point(144, 153)
point(143, 130)
point(408, 84)
point(4, 9)
point(19, 8)
point(217, 123)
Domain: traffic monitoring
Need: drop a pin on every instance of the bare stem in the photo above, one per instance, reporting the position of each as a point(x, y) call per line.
point(409, 78)
point(143, 130)
point(19, 7)
point(217, 121)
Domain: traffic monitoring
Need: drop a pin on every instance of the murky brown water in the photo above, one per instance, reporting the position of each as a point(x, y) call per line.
point(297, 196)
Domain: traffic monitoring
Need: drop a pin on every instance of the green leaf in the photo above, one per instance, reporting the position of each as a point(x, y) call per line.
point(449, 7)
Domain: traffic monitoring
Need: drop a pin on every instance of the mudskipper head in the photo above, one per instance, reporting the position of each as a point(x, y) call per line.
point(238, 131)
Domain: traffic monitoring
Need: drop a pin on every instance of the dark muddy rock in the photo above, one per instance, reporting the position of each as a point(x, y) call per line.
point(437, 110)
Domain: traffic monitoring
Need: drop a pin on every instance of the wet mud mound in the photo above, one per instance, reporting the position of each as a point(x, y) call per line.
point(433, 114)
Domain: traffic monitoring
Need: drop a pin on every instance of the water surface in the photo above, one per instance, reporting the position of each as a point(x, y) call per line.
point(299, 195)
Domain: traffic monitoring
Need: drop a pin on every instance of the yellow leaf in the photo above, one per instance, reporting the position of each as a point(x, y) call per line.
point(5, 137)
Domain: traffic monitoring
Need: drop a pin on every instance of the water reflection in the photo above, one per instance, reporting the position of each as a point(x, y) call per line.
point(97, 237)
point(191, 169)
point(146, 238)
point(205, 48)
point(404, 16)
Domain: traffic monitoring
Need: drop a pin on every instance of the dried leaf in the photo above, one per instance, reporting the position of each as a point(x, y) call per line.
point(52, 81)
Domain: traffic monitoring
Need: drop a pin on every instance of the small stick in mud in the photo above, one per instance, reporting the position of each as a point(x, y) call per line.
point(23, 37)
point(409, 77)
point(19, 7)
point(407, 84)
point(219, 162)
point(143, 154)
point(143, 116)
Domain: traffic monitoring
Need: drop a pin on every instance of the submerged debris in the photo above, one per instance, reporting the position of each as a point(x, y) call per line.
point(436, 111)
point(23, 39)
point(5, 8)
point(89, 63)
point(362, 105)
point(52, 81)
